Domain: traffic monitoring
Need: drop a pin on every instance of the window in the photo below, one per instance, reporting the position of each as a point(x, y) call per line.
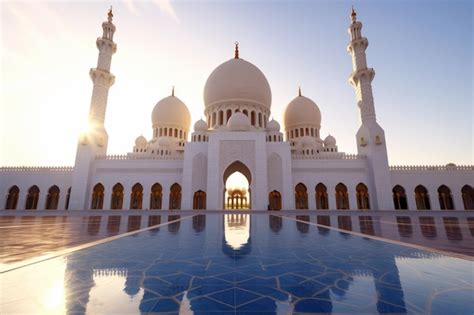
point(175, 197)
point(116, 201)
point(422, 198)
point(342, 197)
point(156, 196)
point(362, 194)
point(301, 197)
point(136, 197)
point(52, 199)
point(321, 197)
point(32, 198)
point(445, 198)
point(97, 197)
point(399, 198)
point(12, 199)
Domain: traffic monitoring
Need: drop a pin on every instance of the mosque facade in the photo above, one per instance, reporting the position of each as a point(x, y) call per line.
point(294, 168)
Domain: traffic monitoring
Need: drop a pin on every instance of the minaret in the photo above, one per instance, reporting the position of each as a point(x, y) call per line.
point(94, 141)
point(370, 136)
point(102, 80)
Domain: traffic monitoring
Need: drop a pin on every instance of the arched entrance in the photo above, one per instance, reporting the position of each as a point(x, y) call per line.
point(237, 180)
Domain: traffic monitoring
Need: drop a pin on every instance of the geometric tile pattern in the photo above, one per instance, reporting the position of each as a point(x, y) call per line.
point(265, 264)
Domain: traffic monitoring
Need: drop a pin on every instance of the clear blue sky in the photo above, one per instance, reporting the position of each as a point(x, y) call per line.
point(422, 53)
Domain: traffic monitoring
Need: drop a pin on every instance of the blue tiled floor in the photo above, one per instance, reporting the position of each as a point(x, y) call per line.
point(243, 264)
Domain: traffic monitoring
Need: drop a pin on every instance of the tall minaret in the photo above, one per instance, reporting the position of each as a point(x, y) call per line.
point(103, 80)
point(370, 136)
point(94, 141)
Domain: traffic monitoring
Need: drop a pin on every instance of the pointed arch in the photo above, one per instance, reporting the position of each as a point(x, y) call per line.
point(12, 198)
point(98, 196)
point(399, 198)
point(199, 200)
point(32, 198)
point(362, 193)
point(238, 166)
point(422, 198)
point(136, 196)
point(468, 197)
point(175, 197)
point(301, 196)
point(274, 200)
point(156, 196)
point(116, 201)
point(445, 198)
point(52, 199)
point(321, 196)
point(342, 197)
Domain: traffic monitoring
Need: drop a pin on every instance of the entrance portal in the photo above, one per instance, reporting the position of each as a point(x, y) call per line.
point(237, 179)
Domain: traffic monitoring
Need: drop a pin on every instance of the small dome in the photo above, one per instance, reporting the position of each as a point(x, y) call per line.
point(238, 122)
point(171, 111)
point(273, 126)
point(237, 80)
point(329, 141)
point(308, 141)
point(163, 143)
point(141, 141)
point(200, 125)
point(302, 111)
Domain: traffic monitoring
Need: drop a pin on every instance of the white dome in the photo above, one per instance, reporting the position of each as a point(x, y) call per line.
point(171, 111)
point(308, 141)
point(237, 80)
point(273, 126)
point(200, 125)
point(163, 143)
point(302, 111)
point(238, 122)
point(141, 141)
point(329, 141)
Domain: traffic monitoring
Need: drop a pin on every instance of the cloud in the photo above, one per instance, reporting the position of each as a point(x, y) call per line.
point(165, 6)
point(131, 7)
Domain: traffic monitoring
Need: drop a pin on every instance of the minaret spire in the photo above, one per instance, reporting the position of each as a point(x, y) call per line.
point(172, 91)
point(299, 90)
point(236, 51)
point(101, 76)
point(370, 136)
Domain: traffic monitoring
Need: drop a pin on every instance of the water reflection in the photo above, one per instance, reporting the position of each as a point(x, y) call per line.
point(236, 230)
point(453, 231)
point(428, 227)
point(199, 223)
point(178, 270)
point(275, 223)
point(405, 228)
point(302, 226)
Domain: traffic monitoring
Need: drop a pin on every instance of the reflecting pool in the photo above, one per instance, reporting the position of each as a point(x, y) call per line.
point(241, 263)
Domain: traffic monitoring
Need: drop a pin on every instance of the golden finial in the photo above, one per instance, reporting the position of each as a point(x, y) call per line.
point(353, 14)
point(110, 14)
point(172, 91)
point(236, 50)
point(299, 90)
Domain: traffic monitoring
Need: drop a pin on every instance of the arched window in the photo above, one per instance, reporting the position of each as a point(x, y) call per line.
point(32, 198)
point(445, 198)
point(342, 197)
point(245, 112)
point(156, 196)
point(274, 200)
point(228, 114)
point(68, 196)
point(116, 201)
point(252, 118)
point(468, 197)
point(362, 194)
point(12, 199)
point(52, 199)
point(136, 197)
point(321, 196)
point(260, 119)
point(199, 200)
point(98, 197)
point(213, 122)
point(422, 198)
point(301, 197)
point(175, 197)
point(399, 198)
point(221, 118)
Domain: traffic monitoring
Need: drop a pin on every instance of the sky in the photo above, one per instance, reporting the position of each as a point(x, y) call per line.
point(422, 53)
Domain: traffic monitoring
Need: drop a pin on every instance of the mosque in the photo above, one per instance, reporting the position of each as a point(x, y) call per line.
point(294, 168)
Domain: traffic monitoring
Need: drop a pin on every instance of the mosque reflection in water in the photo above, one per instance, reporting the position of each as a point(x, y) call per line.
point(267, 263)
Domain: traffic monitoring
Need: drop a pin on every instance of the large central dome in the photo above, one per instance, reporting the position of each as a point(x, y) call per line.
point(237, 80)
